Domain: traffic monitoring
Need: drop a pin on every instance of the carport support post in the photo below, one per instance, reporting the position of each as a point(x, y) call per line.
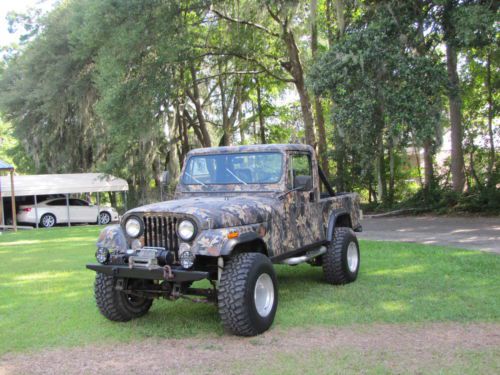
point(13, 200)
point(36, 211)
point(67, 209)
point(98, 209)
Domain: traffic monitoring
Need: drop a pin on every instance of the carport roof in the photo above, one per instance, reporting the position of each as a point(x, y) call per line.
point(44, 184)
point(4, 166)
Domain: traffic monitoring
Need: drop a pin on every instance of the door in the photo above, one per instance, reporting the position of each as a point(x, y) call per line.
point(82, 211)
point(58, 208)
point(302, 204)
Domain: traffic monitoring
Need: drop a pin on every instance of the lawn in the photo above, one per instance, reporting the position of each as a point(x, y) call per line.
point(46, 294)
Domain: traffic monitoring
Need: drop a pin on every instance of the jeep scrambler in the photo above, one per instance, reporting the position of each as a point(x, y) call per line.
point(235, 213)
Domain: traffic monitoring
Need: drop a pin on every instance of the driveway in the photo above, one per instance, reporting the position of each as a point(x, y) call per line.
point(475, 233)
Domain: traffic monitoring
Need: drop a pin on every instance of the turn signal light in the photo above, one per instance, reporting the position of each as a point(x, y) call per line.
point(232, 235)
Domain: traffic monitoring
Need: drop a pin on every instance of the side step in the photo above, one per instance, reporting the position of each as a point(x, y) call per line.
point(304, 258)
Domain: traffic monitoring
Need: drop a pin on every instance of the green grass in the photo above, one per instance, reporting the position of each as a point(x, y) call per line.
point(46, 294)
point(349, 361)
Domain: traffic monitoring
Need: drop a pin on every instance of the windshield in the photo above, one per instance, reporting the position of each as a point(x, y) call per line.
point(245, 168)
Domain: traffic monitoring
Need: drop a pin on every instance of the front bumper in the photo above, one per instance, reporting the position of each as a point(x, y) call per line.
point(178, 275)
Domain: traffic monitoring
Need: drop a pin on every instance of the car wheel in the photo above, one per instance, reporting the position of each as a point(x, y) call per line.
point(248, 294)
point(48, 221)
point(341, 260)
point(117, 305)
point(104, 218)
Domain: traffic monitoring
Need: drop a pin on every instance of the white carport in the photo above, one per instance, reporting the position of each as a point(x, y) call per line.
point(72, 183)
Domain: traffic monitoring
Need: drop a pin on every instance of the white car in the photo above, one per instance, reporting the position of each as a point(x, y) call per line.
point(54, 211)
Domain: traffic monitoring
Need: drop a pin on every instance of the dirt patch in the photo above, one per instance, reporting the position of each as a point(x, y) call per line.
point(395, 348)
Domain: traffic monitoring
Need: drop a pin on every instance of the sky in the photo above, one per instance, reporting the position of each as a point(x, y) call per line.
point(19, 6)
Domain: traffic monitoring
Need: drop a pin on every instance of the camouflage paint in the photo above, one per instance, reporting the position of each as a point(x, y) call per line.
point(113, 238)
point(298, 219)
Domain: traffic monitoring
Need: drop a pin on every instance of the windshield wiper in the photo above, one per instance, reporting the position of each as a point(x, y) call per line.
point(239, 179)
point(194, 178)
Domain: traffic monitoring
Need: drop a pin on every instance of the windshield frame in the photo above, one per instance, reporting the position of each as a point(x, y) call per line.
point(207, 184)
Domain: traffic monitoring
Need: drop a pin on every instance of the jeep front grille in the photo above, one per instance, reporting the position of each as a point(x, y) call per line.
point(160, 231)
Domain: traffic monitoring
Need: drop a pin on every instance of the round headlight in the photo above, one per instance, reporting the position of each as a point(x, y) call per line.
point(187, 259)
point(102, 255)
point(186, 230)
point(133, 227)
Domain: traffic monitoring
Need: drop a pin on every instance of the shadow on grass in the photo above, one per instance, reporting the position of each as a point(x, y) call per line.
point(46, 294)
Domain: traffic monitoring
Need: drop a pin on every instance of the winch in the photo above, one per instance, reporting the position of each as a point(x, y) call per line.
point(151, 257)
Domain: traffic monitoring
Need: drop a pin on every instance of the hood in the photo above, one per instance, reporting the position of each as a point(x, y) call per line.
point(221, 212)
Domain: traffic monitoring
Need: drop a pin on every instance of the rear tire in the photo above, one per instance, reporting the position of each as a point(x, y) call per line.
point(48, 221)
point(248, 294)
point(341, 260)
point(117, 305)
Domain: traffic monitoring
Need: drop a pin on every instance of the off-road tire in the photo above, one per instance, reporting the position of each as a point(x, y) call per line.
point(45, 220)
point(237, 307)
point(116, 305)
point(335, 260)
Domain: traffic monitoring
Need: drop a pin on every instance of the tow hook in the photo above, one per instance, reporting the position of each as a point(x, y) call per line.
point(167, 272)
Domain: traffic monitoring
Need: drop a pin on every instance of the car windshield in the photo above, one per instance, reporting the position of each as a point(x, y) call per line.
point(242, 168)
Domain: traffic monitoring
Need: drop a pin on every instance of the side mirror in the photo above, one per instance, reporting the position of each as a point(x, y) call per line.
point(303, 182)
point(165, 178)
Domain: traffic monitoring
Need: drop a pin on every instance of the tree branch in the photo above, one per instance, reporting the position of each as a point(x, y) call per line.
point(243, 22)
point(250, 59)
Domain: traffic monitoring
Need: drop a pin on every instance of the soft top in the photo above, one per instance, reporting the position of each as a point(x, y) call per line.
point(252, 148)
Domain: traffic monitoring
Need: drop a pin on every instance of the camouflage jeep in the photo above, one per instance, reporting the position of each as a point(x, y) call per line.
point(237, 211)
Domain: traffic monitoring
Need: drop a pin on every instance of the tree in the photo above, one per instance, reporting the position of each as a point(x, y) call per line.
point(463, 23)
point(282, 14)
point(382, 91)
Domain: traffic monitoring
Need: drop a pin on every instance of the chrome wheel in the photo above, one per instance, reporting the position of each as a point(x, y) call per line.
point(104, 218)
point(352, 257)
point(48, 221)
point(264, 295)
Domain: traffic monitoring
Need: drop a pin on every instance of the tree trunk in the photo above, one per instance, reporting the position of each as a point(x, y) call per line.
point(294, 67)
point(339, 155)
point(318, 108)
point(226, 136)
point(196, 99)
point(390, 150)
point(261, 115)
point(381, 180)
point(183, 128)
point(378, 120)
point(428, 165)
point(457, 156)
point(339, 11)
point(491, 161)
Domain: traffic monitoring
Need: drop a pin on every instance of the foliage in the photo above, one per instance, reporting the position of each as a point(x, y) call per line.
point(130, 87)
point(383, 93)
point(42, 271)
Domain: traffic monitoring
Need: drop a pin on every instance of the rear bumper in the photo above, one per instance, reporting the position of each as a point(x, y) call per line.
point(179, 276)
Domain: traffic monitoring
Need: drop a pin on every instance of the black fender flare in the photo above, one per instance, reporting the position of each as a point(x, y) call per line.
point(332, 221)
point(243, 238)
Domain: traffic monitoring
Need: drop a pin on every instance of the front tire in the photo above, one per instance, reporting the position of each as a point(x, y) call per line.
point(341, 260)
point(117, 305)
point(248, 294)
point(104, 218)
